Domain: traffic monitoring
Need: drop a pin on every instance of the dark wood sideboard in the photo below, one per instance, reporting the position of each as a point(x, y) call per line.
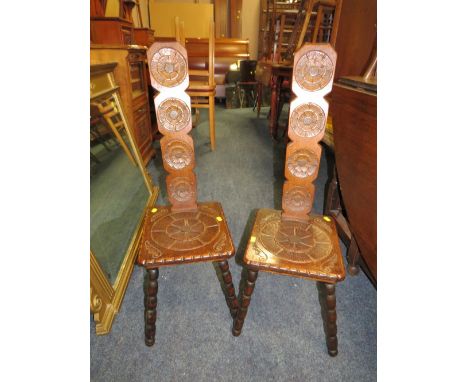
point(355, 144)
point(131, 76)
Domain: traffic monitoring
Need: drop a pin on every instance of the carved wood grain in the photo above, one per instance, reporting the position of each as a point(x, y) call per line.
point(314, 66)
point(168, 67)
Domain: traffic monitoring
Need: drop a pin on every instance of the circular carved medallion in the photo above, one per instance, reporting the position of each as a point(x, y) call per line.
point(168, 67)
point(173, 114)
point(307, 120)
point(314, 70)
point(302, 163)
point(185, 231)
point(181, 189)
point(178, 154)
point(298, 199)
point(297, 242)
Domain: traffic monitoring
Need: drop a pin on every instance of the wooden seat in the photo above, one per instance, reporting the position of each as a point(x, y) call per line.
point(299, 248)
point(186, 231)
point(292, 242)
point(185, 236)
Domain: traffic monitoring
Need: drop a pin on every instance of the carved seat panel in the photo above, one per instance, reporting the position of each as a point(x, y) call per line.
point(172, 237)
point(305, 249)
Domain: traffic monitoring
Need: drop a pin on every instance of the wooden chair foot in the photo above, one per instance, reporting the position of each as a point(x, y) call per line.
point(231, 298)
point(212, 123)
point(328, 303)
point(151, 302)
point(353, 270)
point(353, 257)
point(249, 276)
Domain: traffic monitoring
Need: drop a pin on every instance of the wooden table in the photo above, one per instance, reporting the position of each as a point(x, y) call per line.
point(279, 72)
point(354, 111)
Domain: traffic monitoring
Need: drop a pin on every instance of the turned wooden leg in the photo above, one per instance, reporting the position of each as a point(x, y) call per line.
point(259, 98)
point(353, 256)
point(212, 122)
point(231, 298)
point(328, 304)
point(273, 105)
point(244, 303)
point(332, 200)
point(151, 301)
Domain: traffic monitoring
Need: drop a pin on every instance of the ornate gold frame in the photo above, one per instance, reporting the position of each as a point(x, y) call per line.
point(105, 299)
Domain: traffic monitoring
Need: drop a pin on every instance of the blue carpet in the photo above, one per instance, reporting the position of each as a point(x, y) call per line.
point(282, 338)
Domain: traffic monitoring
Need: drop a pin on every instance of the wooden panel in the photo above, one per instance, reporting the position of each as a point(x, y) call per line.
point(356, 36)
point(235, 16)
point(355, 138)
point(224, 47)
point(221, 18)
point(105, 30)
point(131, 102)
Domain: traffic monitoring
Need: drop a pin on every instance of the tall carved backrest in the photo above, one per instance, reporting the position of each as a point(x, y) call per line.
point(168, 68)
point(314, 67)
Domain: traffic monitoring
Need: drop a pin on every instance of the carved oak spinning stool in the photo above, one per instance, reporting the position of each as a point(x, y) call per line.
point(291, 241)
point(186, 231)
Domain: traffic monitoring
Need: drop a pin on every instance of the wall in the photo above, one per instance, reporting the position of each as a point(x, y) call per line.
point(196, 18)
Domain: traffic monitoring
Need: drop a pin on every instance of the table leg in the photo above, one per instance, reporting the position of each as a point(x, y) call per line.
point(274, 105)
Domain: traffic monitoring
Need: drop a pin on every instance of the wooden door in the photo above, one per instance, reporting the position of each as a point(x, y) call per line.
point(221, 18)
point(236, 20)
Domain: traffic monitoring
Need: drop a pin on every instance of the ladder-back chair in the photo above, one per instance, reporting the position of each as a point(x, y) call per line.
point(291, 241)
point(202, 85)
point(186, 231)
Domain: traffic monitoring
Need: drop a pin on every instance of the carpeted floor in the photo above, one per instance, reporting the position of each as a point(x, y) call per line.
point(283, 338)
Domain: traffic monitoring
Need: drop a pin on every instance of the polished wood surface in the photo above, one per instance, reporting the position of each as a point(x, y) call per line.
point(111, 30)
point(143, 36)
point(186, 231)
point(130, 75)
point(356, 37)
point(291, 241)
point(221, 18)
point(297, 248)
point(355, 137)
point(185, 236)
point(235, 18)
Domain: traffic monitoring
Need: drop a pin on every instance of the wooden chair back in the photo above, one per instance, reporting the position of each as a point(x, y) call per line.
point(327, 21)
point(169, 75)
point(196, 73)
point(321, 18)
point(314, 67)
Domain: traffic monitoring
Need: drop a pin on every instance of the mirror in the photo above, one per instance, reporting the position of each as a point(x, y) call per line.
point(120, 191)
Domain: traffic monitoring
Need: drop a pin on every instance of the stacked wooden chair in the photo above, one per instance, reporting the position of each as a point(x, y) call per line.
point(292, 242)
point(186, 231)
point(202, 86)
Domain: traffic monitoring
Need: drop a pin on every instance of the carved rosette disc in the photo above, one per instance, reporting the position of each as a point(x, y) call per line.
point(298, 199)
point(185, 231)
point(294, 241)
point(178, 154)
point(173, 114)
point(307, 120)
point(181, 189)
point(314, 70)
point(302, 163)
point(168, 67)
